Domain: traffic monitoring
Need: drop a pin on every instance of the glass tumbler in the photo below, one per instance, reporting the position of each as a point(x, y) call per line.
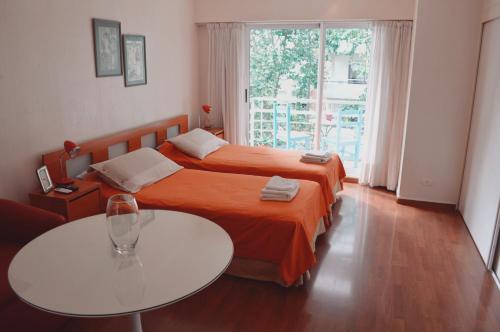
point(122, 219)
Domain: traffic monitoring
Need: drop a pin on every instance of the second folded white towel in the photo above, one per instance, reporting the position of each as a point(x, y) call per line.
point(316, 157)
point(317, 154)
point(280, 189)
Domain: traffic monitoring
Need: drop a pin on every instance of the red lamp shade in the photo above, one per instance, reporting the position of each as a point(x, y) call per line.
point(206, 108)
point(71, 149)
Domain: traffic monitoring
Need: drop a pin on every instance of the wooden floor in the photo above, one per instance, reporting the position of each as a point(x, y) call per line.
point(382, 267)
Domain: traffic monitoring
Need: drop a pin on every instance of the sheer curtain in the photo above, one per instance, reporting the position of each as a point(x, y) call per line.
point(386, 104)
point(227, 78)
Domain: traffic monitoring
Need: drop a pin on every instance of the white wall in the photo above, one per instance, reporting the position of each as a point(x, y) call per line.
point(446, 47)
point(491, 9)
point(48, 88)
point(274, 10)
point(203, 68)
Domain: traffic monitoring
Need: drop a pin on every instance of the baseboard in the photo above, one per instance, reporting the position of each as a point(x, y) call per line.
point(424, 204)
point(351, 180)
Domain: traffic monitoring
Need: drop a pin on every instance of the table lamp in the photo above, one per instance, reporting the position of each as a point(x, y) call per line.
point(72, 150)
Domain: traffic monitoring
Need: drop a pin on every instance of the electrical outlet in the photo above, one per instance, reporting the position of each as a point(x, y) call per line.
point(427, 182)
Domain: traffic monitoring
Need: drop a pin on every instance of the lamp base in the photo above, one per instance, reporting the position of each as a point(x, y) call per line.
point(64, 181)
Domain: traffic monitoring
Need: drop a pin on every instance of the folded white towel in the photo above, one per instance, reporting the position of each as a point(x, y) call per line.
point(270, 192)
point(281, 184)
point(280, 189)
point(279, 199)
point(315, 160)
point(318, 154)
point(273, 195)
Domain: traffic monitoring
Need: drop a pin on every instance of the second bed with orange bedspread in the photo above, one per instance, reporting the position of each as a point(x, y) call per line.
point(277, 232)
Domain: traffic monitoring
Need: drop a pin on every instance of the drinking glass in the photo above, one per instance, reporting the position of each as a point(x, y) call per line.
point(122, 218)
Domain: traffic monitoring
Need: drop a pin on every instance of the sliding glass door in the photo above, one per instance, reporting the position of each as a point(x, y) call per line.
point(308, 88)
point(283, 86)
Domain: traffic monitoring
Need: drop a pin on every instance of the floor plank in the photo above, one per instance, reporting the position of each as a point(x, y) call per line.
point(382, 266)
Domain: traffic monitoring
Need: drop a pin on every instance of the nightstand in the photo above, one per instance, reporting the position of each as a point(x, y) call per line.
point(219, 132)
point(80, 204)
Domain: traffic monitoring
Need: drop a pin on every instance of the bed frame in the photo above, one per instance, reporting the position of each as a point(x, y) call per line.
point(99, 149)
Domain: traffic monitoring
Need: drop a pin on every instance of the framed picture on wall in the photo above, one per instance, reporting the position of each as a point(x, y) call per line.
point(134, 57)
point(107, 48)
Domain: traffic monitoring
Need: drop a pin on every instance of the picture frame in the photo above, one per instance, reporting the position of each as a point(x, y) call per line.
point(134, 58)
point(107, 47)
point(44, 179)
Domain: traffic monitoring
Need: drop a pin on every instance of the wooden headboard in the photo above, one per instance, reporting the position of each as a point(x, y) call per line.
point(98, 149)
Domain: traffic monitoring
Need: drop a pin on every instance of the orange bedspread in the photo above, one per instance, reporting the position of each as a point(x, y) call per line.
point(263, 161)
point(279, 232)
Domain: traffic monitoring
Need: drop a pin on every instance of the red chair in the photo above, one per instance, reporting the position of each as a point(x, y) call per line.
point(19, 224)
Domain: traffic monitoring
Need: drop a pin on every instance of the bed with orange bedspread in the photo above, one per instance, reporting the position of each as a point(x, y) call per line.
point(264, 161)
point(279, 233)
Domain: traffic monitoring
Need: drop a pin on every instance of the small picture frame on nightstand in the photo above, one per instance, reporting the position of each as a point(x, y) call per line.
point(44, 179)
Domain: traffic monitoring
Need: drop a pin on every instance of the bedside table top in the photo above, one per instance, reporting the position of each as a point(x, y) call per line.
point(84, 187)
point(214, 130)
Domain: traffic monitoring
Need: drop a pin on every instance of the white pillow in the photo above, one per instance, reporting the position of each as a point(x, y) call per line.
point(197, 143)
point(137, 169)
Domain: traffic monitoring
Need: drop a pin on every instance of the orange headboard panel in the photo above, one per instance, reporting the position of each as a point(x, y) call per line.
point(98, 148)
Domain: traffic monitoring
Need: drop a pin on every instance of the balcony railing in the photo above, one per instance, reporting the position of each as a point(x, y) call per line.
point(290, 124)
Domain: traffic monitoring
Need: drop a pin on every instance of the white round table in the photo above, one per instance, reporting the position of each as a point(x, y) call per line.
point(72, 270)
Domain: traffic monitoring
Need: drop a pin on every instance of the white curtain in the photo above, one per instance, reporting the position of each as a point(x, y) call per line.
point(386, 104)
point(227, 81)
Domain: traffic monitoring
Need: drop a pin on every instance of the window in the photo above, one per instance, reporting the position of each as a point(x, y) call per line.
point(308, 88)
point(283, 84)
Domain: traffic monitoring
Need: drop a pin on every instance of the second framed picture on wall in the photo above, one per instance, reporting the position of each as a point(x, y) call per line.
point(107, 48)
point(134, 57)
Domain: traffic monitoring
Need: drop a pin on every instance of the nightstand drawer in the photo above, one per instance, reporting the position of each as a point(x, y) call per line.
point(221, 135)
point(84, 206)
